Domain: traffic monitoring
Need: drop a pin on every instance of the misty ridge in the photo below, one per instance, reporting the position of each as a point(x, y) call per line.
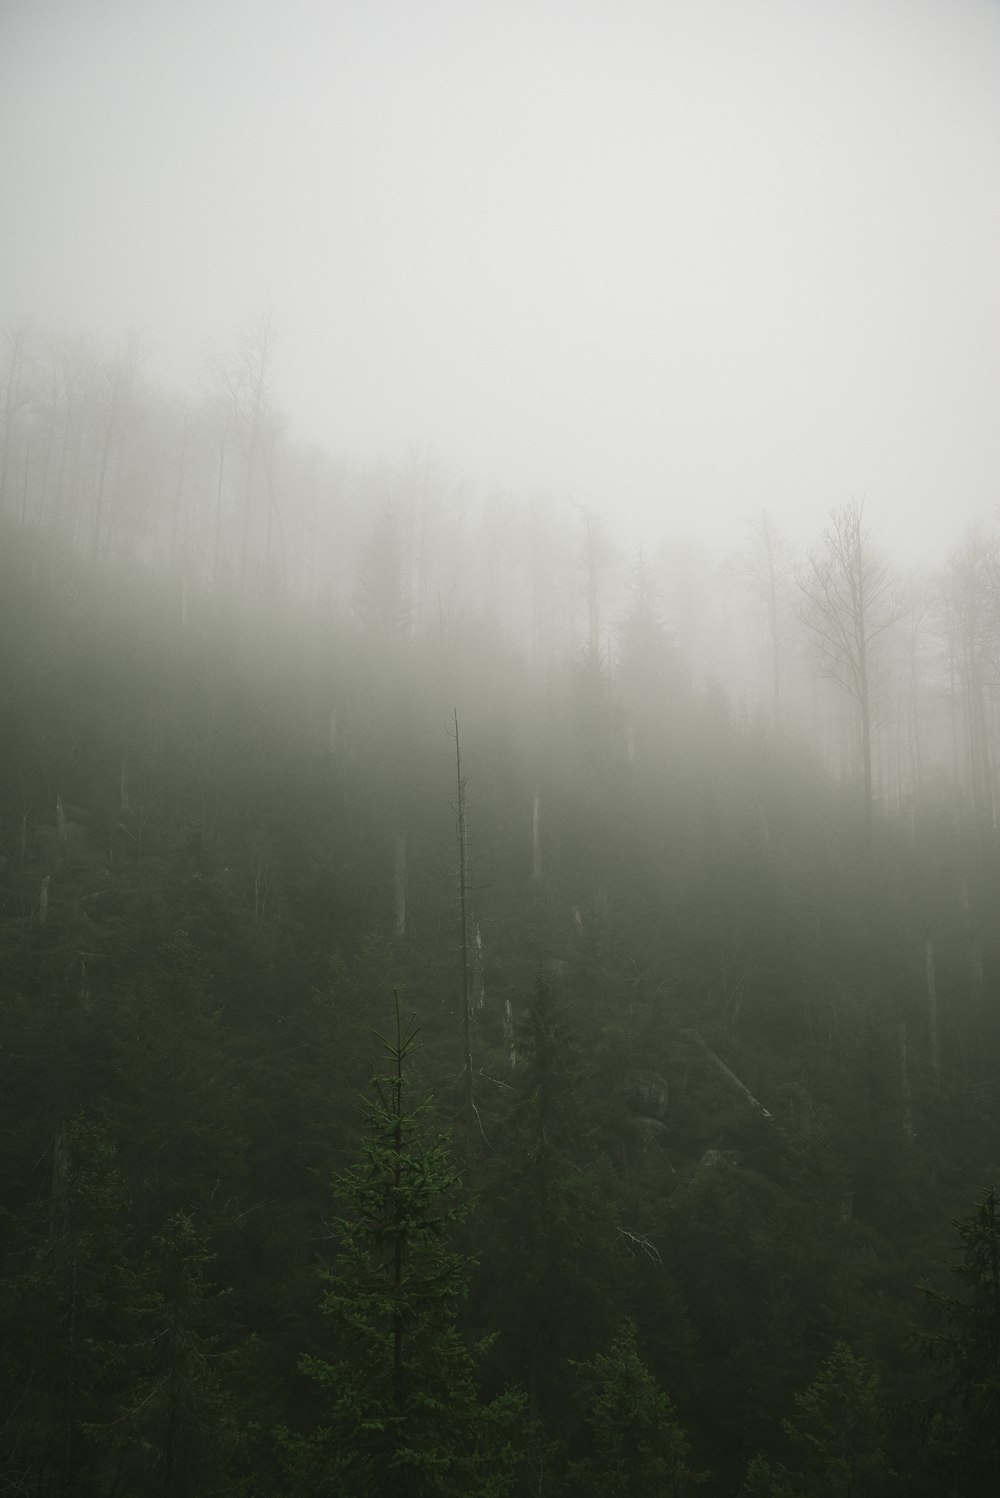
point(499, 958)
point(885, 675)
point(653, 891)
point(882, 673)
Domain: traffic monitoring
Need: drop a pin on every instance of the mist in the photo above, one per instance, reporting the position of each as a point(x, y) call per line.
point(499, 749)
point(676, 264)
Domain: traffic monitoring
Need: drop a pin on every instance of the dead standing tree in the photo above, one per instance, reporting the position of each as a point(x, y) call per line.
point(971, 596)
point(16, 397)
point(469, 1102)
point(849, 604)
point(769, 570)
point(243, 385)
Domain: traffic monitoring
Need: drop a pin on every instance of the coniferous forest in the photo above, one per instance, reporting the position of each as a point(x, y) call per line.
point(482, 1013)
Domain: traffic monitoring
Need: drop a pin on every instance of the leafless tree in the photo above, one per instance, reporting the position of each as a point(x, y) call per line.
point(769, 568)
point(15, 398)
point(849, 603)
point(596, 556)
point(243, 382)
point(972, 625)
point(114, 402)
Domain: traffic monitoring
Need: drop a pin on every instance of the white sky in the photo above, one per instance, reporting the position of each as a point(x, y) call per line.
point(682, 259)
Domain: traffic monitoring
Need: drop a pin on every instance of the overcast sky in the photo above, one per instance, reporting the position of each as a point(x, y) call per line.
point(678, 259)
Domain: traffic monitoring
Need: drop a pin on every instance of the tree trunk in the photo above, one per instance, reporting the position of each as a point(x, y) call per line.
point(463, 882)
point(60, 1181)
point(478, 970)
point(864, 703)
point(399, 881)
point(730, 1075)
point(399, 1236)
point(932, 1014)
point(975, 951)
point(905, 1095)
point(536, 838)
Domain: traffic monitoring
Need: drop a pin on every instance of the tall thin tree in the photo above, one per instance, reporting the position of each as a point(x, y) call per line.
point(849, 604)
point(469, 1102)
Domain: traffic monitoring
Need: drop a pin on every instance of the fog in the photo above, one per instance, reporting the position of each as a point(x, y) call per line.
point(488, 604)
point(675, 262)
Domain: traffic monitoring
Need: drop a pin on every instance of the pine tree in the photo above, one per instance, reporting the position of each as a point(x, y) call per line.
point(839, 1430)
point(638, 1448)
point(966, 1431)
point(403, 1414)
point(174, 1427)
point(69, 1304)
point(762, 1480)
point(558, 1262)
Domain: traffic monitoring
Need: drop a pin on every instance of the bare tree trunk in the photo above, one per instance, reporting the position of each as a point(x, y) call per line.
point(17, 340)
point(463, 882)
point(478, 969)
point(176, 529)
point(975, 950)
point(102, 478)
point(217, 550)
point(932, 1013)
point(731, 1075)
point(536, 838)
point(60, 1181)
point(50, 437)
point(864, 703)
point(766, 568)
point(399, 882)
point(905, 1095)
point(954, 722)
point(849, 605)
point(25, 483)
point(916, 743)
point(398, 1236)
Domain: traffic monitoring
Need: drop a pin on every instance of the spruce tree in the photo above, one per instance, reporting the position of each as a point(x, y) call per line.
point(638, 1450)
point(839, 1430)
point(965, 1431)
point(402, 1409)
point(559, 1262)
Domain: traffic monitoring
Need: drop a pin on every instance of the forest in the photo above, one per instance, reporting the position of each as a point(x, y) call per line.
point(481, 1012)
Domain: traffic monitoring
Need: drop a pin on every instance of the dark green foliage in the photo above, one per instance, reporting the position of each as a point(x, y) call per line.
point(558, 1263)
point(113, 1355)
point(209, 793)
point(836, 1439)
point(178, 1427)
point(401, 1411)
point(965, 1429)
point(73, 1297)
point(837, 1433)
point(637, 1448)
point(762, 1480)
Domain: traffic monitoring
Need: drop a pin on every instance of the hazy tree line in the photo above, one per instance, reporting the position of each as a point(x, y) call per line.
point(687, 873)
point(890, 677)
